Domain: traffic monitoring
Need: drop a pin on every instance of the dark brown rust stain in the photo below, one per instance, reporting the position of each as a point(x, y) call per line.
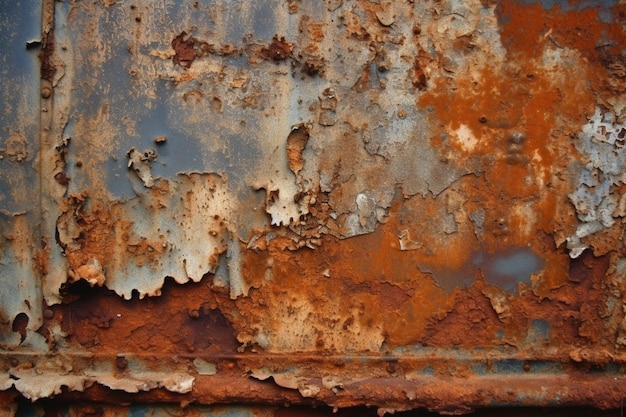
point(418, 76)
point(313, 65)
point(184, 319)
point(8, 400)
point(187, 48)
point(19, 325)
point(588, 266)
point(615, 65)
point(278, 50)
point(88, 410)
point(48, 68)
point(62, 178)
point(472, 317)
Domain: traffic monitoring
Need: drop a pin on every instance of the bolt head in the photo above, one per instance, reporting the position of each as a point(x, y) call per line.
point(46, 92)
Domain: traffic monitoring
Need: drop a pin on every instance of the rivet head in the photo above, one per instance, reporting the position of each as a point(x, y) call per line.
point(517, 138)
point(121, 362)
point(46, 92)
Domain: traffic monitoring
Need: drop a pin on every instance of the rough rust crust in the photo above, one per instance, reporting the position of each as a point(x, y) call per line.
point(445, 394)
point(48, 67)
point(395, 204)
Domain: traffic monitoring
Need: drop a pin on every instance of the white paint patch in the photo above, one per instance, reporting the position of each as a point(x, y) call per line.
point(465, 138)
point(526, 218)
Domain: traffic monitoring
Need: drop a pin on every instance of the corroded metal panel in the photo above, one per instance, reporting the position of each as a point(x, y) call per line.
point(399, 204)
point(20, 290)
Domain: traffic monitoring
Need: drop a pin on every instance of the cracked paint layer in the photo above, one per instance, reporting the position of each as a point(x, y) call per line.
point(317, 203)
point(599, 198)
point(163, 239)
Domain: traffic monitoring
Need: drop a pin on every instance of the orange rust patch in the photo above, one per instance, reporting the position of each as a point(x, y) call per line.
point(383, 286)
point(407, 303)
point(527, 28)
point(296, 142)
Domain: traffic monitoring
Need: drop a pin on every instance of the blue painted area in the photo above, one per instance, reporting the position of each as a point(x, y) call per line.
point(138, 411)
point(19, 98)
point(515, 366)
point(511, 267)
point(504, 269)
point(449, 279)
point(609, 368)
point(428, 371)
point(568, 5)
point(606, 16)
point(539, 331)
point(264, 19)
point(509, 366)
point(20, 25)
point(479, 368)
point(252, 18)
point(232, 411)
point(201, 135)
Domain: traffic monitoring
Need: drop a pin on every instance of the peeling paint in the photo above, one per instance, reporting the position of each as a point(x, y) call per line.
point(393, 204)
point(193, 208)
point(599, 196)
point(140, 163)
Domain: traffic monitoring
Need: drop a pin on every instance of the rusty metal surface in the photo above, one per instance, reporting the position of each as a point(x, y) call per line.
point(398, 204)
point(20, 292)
point(145, 410)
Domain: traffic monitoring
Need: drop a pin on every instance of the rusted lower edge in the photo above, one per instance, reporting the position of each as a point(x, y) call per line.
point(453, 395)
point(448, 383)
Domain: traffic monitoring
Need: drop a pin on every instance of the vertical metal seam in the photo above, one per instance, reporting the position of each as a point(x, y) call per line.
point(47, 158)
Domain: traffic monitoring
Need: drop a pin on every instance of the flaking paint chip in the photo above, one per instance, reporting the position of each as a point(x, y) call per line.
point(140, 164)
point(386, 17)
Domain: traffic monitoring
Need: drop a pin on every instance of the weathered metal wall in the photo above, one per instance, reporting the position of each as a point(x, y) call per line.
point(146, 410)
point(397, 204)
point(20, 293)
